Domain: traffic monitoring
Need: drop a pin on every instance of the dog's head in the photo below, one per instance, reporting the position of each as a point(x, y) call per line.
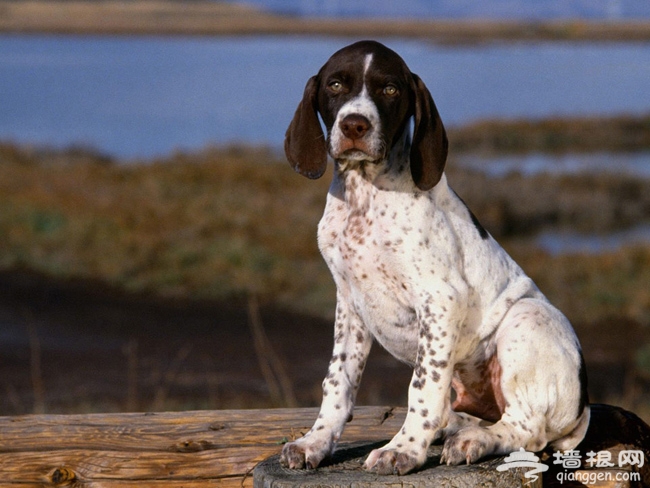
point(366, 96)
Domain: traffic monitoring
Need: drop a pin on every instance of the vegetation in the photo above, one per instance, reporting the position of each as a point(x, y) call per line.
point(229, 222)
point(623, 133)
point(211, 227)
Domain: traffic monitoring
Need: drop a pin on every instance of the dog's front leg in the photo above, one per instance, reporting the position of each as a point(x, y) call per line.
point(352, 343)
point(429, 391)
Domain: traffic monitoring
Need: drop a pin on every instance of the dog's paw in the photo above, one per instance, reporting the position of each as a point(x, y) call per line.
point(391, 461)
point(466, 446)
point(304, 453)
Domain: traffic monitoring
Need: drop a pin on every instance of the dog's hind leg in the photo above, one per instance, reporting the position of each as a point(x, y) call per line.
point(541, 383)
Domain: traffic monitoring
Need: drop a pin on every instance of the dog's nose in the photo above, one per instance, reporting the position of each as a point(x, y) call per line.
point(354, 126)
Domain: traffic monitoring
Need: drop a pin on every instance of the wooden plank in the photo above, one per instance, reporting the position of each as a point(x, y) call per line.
point(166, 449)
point(182, 432)
point(116, 465)
point(34, 467)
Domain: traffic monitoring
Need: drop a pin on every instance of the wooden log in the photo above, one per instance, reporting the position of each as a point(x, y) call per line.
point(191, 449)
point(161, 449)
point(346, 471)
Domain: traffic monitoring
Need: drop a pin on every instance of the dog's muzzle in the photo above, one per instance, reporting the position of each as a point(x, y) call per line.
point(355, 139)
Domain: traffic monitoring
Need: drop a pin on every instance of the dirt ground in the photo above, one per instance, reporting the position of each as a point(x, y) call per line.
point(71, 347)
point(79, 347)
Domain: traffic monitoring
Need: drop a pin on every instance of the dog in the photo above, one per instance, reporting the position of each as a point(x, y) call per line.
point(416, 271)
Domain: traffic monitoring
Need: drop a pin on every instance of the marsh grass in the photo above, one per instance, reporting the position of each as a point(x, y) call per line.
point(611, 134)
point(238, 222)
point(218, 225)
point(591, 287)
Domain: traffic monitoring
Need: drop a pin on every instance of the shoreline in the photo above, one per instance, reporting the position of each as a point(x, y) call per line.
point(202, 18)
point(556, 135)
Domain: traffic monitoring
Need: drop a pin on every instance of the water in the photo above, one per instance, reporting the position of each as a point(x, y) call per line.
point(562, 242)
point(142, 97)
point(637, 163)
point(494, 9)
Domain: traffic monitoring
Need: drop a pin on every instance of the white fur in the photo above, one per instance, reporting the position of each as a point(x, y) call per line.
point(414, 272)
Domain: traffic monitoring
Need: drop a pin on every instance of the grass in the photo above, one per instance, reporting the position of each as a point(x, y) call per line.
point(622, 133)
point(211, 227)
point(221, 223)
point(589, 288)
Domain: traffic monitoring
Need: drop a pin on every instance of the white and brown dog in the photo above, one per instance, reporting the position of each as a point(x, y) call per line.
point(415, 271)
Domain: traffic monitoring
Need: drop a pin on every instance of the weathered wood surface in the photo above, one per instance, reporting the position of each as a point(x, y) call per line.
point(221, 448)
point(346, 471)
point(163, 449)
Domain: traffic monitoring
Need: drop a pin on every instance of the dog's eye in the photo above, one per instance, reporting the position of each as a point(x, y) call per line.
point(335, 87)
point(391, 90)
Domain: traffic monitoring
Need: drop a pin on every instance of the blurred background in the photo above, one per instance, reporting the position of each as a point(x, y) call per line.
point(157, 252)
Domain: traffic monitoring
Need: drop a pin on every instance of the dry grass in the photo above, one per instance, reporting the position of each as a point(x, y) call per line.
point(515, 205)
point(220, 223)
point(213, 226)
point(589, 288)
point(622, 133)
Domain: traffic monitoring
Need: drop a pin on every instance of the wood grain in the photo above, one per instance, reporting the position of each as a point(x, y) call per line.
point(161, 449)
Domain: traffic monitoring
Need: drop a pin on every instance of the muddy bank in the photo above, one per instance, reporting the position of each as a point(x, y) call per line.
point(78, 346)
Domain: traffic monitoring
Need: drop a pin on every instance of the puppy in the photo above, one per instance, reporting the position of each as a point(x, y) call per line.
point(416, 272)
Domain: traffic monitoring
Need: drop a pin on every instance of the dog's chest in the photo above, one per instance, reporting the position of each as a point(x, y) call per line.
point(361, 234)
point(364, 236)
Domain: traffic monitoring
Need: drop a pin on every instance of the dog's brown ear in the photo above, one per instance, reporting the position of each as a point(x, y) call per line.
point(429, 145)
point(304, 142)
